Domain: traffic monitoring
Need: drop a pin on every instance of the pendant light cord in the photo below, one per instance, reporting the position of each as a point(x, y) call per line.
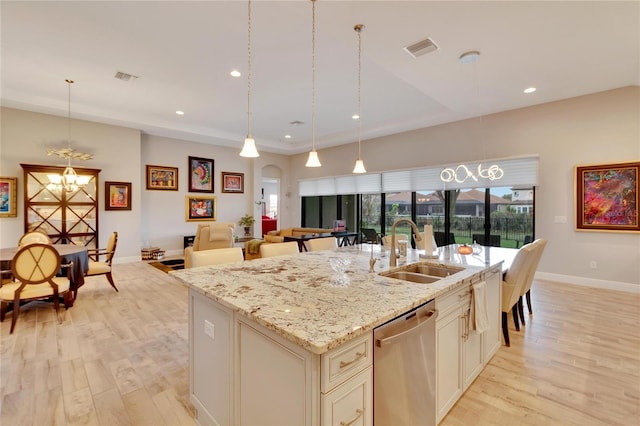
point(359, 31)
point(69, 83)
point(313, 75)
point(249, 71)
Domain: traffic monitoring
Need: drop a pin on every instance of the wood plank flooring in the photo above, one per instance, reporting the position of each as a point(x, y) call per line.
point(122, 359)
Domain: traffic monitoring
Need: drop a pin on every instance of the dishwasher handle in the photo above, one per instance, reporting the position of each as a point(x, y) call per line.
point(419, 319)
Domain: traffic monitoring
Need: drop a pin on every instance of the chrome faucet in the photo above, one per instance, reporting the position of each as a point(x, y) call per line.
point(393, 257)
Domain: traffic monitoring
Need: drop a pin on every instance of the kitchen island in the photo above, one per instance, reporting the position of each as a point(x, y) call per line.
point(283, 341)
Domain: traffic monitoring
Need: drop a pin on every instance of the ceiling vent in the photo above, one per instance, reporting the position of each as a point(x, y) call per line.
point(125, 77)
point(421, 47)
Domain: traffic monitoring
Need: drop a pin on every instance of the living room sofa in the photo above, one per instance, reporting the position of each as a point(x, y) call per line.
point(252, 248)
point(209, 236)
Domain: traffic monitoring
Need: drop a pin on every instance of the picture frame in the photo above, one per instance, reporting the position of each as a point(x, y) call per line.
point(8, 196)
point(232, 182)
point(607, 197)
point(162, 178)
point(117, 195)
point(201, 173)
point(200, 208)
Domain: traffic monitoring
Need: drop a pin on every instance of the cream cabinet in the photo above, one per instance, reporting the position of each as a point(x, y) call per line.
point(461, 353)
point(244, 374)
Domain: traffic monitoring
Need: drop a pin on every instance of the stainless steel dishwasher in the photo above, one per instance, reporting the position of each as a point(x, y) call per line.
point(404, 369)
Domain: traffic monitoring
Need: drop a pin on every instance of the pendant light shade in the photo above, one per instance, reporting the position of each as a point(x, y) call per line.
point(313, 160)
point(359, 167)
point(249, 147)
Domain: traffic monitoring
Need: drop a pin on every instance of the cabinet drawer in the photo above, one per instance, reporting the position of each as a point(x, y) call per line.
point(350, 403)
point(453, 299)
point(343, 362)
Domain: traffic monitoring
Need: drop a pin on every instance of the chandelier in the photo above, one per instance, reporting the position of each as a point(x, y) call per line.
point(69, 180)
point(249, 148)
point(461, 173)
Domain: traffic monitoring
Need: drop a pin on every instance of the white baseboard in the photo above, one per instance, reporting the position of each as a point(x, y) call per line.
point(589, 282)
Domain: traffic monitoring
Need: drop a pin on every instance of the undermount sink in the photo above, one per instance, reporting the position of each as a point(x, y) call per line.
point(411, 276)
point(432, 269)
point(422, 272)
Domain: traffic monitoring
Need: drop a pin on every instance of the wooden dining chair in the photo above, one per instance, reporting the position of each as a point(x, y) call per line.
point(34, 237)
point(216, 256)
point(539, 245)
point(512, 284)
point(34, 267)
point(98, 267)
point(326, 243)
point(279, 249)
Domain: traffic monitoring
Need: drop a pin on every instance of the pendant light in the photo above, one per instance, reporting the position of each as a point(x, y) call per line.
point(249, 148)
point(359, 167)
point(69, 181)
point(313, 160)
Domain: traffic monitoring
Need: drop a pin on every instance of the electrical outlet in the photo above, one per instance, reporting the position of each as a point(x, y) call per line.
point(209, 329)
point(593, 264)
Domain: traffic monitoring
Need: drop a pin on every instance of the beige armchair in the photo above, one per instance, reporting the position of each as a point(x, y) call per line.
point(210, 235)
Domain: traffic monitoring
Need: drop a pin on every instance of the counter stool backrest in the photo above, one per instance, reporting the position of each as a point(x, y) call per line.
point(279, 249)
point(216, 256)
point(326, 243)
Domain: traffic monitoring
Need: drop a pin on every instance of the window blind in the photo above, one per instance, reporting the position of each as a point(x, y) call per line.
point(341, 185)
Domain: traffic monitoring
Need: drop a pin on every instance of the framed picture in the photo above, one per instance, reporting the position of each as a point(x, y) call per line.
point(117, 195)
point(200, 174)
point(8, 197)
point(607, 197)
point(233, 182)
point(200, 208)
point(161, 177)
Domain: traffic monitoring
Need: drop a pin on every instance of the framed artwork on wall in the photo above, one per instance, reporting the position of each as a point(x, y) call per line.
point(233, 182)
point(200, 208)
point(117, 195)
point(200, 174)
point(8, 197)
point(162, 178)
point(607, 197)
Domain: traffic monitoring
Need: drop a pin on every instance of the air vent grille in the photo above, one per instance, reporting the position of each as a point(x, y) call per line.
point(421, 47)
point(124, 76)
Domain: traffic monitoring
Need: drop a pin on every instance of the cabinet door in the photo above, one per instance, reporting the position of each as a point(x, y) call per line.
point(491, 338)
point(448, 360)
point(471, 349)
point(350, 404)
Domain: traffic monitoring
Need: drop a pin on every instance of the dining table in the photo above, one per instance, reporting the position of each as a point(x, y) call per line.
point(69, 253)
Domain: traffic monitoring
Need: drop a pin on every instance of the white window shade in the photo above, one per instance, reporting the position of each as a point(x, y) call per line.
point(326, 186)
point(341, 185)
point(521, 171)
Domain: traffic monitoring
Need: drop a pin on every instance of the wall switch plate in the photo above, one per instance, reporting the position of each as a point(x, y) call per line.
point(209, 329)
point(560, 219)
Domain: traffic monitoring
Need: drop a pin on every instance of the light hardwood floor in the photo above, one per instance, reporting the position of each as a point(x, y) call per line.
point(122, 359)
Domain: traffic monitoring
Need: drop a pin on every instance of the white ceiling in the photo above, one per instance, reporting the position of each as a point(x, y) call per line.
point(183, 53)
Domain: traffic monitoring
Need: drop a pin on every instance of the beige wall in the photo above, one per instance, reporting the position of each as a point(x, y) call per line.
point(594, 129)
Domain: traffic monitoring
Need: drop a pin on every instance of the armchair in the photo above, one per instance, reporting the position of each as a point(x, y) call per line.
point(210, 235)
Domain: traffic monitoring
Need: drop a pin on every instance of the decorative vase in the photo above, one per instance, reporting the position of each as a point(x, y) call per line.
point(247, 231)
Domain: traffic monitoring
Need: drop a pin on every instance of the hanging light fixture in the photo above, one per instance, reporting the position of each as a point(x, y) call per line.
point(359, 167)
point(461, 173)
point(313, 160)
point(249, 148)
point(70, 181)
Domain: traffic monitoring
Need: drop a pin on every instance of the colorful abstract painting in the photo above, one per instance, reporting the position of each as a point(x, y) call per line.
point(607, 197)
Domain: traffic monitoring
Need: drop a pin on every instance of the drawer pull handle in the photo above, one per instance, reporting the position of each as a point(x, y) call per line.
point(346, 363)
point(359, 414)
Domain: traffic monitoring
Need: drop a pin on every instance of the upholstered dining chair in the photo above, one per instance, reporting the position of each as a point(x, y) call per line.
point(370, 235)
point(512, 284)
point(98, 267)
point(34, 267)
point(539, 245)
point(216, 256)
point(326, 243)
point(279, 249)
point(34, 237)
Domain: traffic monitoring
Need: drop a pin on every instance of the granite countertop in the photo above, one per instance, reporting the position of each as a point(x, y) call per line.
point(299, 298)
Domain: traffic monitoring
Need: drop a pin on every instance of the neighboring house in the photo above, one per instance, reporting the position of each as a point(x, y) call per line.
point(521, 200)
point(469, 203)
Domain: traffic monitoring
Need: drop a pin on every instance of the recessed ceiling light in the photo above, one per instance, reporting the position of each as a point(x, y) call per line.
point(287, 136)
point(180, 112)
point(235, 73)
point(529, 90)
point(469, 57)
point(355, 116)
point(297, 123)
